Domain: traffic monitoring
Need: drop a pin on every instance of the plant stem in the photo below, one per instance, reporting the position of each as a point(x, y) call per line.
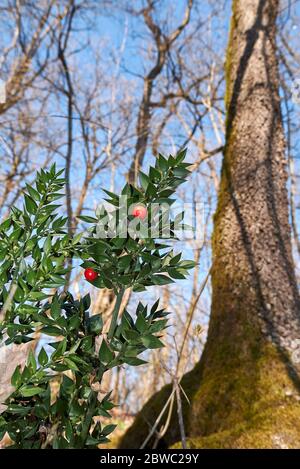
point(180, 415)
point(88, 418)
point(115, 313)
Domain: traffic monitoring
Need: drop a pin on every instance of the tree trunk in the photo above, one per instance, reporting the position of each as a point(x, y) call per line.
point(248, 391)
point(250, 364)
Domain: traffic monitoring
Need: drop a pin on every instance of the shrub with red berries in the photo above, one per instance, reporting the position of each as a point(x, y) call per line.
point(34, 249)
point(139, 211)
point(90, 274)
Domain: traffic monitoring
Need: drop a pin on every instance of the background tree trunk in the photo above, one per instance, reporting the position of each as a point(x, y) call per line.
point(248, 385)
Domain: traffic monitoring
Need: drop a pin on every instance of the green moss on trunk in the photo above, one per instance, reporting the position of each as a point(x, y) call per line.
point(276, 428)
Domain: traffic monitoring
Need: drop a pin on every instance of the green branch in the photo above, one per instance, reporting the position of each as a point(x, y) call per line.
point(115, 314)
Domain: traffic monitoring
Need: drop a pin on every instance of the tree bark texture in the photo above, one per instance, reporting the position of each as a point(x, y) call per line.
point(248, 376)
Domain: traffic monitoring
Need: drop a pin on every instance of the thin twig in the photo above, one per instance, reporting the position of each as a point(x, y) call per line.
point(176, 385)
point(180, 414)
point(115, 314)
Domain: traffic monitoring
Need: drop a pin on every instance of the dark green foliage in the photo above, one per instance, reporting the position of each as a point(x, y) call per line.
point(34, 247)
point(138, 260)
point(77, 402)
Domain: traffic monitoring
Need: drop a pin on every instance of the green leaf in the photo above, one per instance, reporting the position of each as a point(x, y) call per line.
point(161, 279)
point(141, 323)
point(141, 309)
point(5, 225)
point(175, 259)
point(18, 409)
point(126, 190)
point(154, 174)
point(133, 351)
point(67, 384)
point(75, 346)
point(31, 361)
point(95, 323)
point(166, 193)
point(154, 307)
point(16, 378)
point(158, 326)
point(60, 349)
point(151, 190)
point(51, 330)
point(138, 287)
point(33, 193)
point(69, 430)
point(152, 342)
point(105, 354)
point(55, 196)
point(175, 274)
point(134, 361)
point(144, 180)
point(3, 254)
point(71, 364)
point(50, 208)
point(124, 261)
point(125, 279)
point(162, 163)
point(55, 281)
point(181, 156)
point(29, 391)
point(171, 161)
point(19, 295)
point(87, 343)
point(55, 308)
point(16, 234)
point(59, 223)
point(108, 429)
point(30, 204)
point(112, 195)
point(86, 302)
point(47, 245)
point(181, 172)
point(187, 264)
point(27, 309)
point(43, 357)
point(78, 360)
point(38, 295)
point(108, 283)
point(98, 249)
point(127, 320)
point(131, 335)
point(37, 253)
point(88, 219)
point(74, 323)
point(91, 441)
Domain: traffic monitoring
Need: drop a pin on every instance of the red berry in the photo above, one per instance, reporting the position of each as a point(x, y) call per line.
point(139, 211)
point(90, 274)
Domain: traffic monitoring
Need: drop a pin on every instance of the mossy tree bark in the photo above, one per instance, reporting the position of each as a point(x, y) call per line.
point(248, 384)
